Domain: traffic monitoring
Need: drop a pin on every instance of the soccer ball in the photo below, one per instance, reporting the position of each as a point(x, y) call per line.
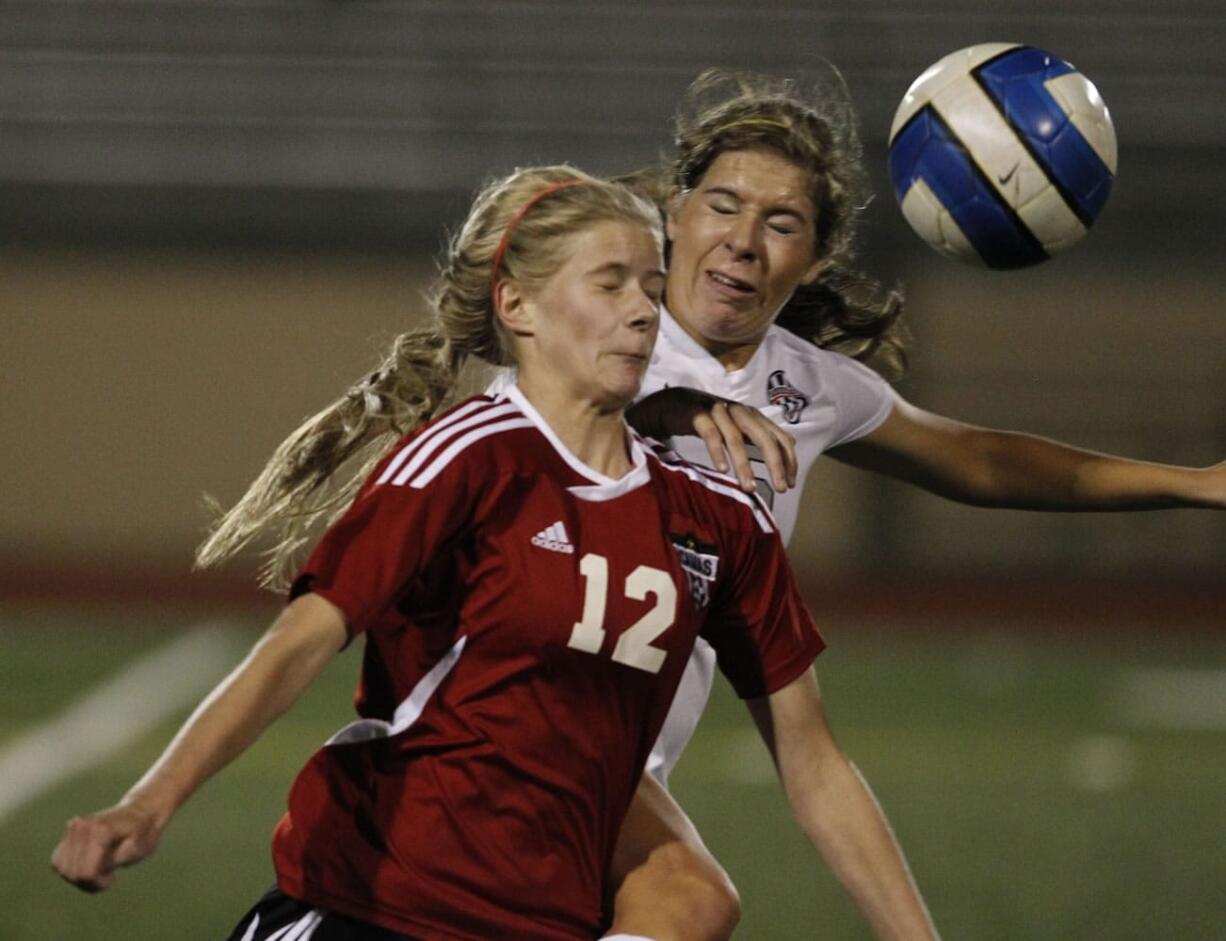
point(1002, 155)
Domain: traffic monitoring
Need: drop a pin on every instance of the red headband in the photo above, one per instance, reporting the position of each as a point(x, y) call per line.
point(506, 236)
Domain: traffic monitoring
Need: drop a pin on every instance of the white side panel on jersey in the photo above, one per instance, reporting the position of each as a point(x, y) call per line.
point(409, 711)
point(934, 224)
point(688, 704)
point(936, 77)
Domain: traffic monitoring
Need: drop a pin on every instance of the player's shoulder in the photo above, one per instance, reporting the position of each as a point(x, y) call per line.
point(473, 436)
point(708, 495)
point(783, 344)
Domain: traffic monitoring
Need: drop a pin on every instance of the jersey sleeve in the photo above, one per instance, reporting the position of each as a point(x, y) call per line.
point(760, 627)
point(368, 559)
point(863, 400)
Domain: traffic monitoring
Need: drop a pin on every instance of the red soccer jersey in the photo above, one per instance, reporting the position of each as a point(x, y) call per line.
point(526, 621)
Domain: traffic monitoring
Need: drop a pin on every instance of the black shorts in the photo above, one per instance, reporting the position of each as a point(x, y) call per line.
point(277, 917)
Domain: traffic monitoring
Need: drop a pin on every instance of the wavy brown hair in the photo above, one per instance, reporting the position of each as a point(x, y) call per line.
point(314, 473)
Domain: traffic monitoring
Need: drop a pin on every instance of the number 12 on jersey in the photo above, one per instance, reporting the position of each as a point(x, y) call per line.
point(634, 646)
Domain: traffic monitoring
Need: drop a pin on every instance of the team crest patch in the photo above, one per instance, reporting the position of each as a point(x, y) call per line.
point(782, 393)
point(700, 564)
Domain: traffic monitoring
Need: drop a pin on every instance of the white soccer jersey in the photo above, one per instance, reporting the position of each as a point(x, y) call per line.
point(823, 399)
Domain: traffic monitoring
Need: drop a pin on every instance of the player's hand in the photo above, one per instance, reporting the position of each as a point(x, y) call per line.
point(725, 427)
point(94, 846)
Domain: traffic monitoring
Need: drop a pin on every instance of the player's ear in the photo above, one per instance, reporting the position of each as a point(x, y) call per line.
point(514, 309)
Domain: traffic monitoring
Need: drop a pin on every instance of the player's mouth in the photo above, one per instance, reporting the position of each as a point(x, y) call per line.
point(730, 286)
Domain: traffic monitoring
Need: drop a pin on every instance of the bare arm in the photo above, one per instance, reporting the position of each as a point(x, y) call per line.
point(308, 632)
point(985, 467)
point(725, 427)
point(836, 810)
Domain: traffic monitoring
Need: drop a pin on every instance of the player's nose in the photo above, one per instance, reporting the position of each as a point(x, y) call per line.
point(743, 236)
point(644, 310)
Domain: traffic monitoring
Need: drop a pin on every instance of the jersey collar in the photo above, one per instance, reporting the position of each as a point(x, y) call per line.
point(601, 487)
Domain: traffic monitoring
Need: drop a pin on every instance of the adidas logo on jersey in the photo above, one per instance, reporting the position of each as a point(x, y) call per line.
point(554, 539)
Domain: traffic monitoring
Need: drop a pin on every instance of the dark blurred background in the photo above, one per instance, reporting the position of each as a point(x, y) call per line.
point(213, 213)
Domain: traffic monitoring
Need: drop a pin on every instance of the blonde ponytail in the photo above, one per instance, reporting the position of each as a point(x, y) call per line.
point(301, 483)
point(314, 473)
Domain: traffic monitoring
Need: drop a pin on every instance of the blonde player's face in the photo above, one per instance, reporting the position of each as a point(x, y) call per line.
point(742, 240)
point(595, 320)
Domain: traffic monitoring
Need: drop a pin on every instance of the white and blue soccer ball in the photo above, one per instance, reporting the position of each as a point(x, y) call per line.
point(1002, 155)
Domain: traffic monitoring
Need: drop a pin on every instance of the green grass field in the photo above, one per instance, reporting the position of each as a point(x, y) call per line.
point(1053, 787)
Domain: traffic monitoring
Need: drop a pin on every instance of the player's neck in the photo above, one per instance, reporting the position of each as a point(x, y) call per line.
point(593, 433)
point(732, 356)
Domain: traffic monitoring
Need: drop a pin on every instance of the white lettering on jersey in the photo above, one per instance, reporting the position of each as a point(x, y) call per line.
point(700, 564)
point(634, 646)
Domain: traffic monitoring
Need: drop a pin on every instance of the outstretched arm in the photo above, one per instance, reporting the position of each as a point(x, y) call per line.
point(985, 467)
point(308, 632)
point(836, 810)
